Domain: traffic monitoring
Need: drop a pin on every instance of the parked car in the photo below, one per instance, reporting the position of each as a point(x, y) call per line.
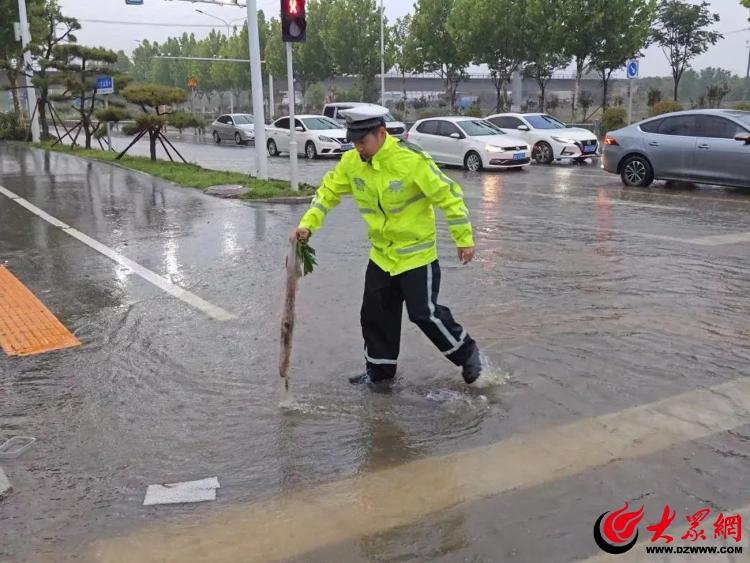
point(550, 138)
point(469, 142)
point(316, 135)
point(701, 146)
point(239, 127)
point(333, 110)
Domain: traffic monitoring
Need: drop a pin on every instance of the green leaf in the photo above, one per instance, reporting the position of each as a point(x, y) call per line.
point(307, 254)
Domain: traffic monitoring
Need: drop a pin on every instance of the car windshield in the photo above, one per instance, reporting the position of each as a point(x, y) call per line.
point(243, 119)
point(544, 122)
point(320, 123)
point(479, 128)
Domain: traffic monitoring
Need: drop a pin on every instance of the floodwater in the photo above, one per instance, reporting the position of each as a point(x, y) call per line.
point(589, 300)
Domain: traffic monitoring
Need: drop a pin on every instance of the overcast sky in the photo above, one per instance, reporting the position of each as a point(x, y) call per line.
point(730, 53)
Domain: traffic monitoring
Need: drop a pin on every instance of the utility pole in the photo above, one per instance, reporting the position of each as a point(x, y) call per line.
point(256, 83)
point(382, 54)
point(30, 91)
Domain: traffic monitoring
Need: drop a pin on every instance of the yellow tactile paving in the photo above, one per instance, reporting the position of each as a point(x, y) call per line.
point(26, 326)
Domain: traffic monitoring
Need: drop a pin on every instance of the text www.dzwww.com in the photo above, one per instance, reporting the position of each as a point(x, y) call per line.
point(692, 549)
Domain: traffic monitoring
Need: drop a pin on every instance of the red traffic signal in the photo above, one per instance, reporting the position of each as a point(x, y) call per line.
point(293, 22)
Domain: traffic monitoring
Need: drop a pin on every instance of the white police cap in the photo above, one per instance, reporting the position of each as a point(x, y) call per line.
point(360, 120)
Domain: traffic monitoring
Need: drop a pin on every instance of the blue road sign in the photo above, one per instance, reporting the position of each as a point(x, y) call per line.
point(134, 2)
point(105, 85)
point(632, 69)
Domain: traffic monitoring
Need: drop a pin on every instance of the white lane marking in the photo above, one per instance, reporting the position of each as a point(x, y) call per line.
point(216, 313)
point(577, 199)
point(716, 240)
point(638, 553)
point(314, 517)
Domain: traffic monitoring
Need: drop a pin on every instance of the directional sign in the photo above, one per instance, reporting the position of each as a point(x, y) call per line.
point(632, 69)
point(105, 85)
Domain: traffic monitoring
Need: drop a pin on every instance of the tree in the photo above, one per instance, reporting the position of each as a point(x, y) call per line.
point(654, 97)
point(151, 98)
point(432, 41)
point(623, 28)
point(545, 54)
point(746, 3)
point(403, 58)
point(495, 33)
point(351, 38)
point(78, 68)
point(123, 63)
point(585, 100)
point(58, 29)
point(682, 32)
point(577, 30)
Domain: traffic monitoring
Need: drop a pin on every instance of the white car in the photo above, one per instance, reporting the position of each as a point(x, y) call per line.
point(550, 138)
point(237, 127)
point(469, 142)
point(316, 135)
point(333, 110)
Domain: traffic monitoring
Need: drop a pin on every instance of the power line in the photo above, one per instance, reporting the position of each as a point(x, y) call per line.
point(158, 24)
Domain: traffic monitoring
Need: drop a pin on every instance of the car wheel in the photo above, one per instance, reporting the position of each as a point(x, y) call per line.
point(473, 162)
point(637, 172)
point(542, 153)
point(238, 138)
point(217, 139)
point(272, 148)
point(310, 151)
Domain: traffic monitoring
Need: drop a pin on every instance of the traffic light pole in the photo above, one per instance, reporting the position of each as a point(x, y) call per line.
point(292, 127)
point(256, 84)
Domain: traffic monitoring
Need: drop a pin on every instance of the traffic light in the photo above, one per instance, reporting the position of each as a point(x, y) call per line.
point(293, 23)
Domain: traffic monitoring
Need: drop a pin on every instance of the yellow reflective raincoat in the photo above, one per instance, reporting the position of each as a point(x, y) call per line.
point(395, 192)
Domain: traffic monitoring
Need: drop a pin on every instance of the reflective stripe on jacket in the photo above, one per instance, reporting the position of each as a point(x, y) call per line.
point(395, 193)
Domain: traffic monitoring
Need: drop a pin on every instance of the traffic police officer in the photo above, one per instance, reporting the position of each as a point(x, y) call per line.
point(395, 185)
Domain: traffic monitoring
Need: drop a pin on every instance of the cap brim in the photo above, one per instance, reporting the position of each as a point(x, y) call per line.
point(356, 134)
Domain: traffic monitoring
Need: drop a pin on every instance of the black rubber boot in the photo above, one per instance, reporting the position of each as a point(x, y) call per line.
point(472, 368)
point(374, 374)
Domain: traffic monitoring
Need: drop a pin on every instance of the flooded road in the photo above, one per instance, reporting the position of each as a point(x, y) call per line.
point(617, 317)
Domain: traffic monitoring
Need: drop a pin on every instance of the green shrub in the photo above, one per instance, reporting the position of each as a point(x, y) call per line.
point(613, 118)
point(742, 106)
point(183, 120)
point(474, 111)
point(665, 107)
point(11, 127)
point(432, 112)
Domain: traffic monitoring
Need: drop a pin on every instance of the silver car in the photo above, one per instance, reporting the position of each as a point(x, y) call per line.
point(237, 127)
point(701, 146)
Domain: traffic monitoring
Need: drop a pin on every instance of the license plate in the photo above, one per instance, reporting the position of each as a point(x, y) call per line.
point(589, 148)
point(519, 156)
point(347, 146)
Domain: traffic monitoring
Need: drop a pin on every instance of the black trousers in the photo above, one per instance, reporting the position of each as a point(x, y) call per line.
point(383, 305)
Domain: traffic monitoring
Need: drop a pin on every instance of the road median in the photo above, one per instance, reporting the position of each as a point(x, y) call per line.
point(194, 176)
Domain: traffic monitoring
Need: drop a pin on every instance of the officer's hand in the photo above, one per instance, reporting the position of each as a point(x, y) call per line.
point(301, 235)
point(466, 255)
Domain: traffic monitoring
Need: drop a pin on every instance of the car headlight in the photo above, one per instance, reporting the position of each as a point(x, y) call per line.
point(326, 139)
point(493, 148)
point(564, 140)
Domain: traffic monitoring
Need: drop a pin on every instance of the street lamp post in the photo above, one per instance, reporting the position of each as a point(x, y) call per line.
point(382, 54)
point(30, 91)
